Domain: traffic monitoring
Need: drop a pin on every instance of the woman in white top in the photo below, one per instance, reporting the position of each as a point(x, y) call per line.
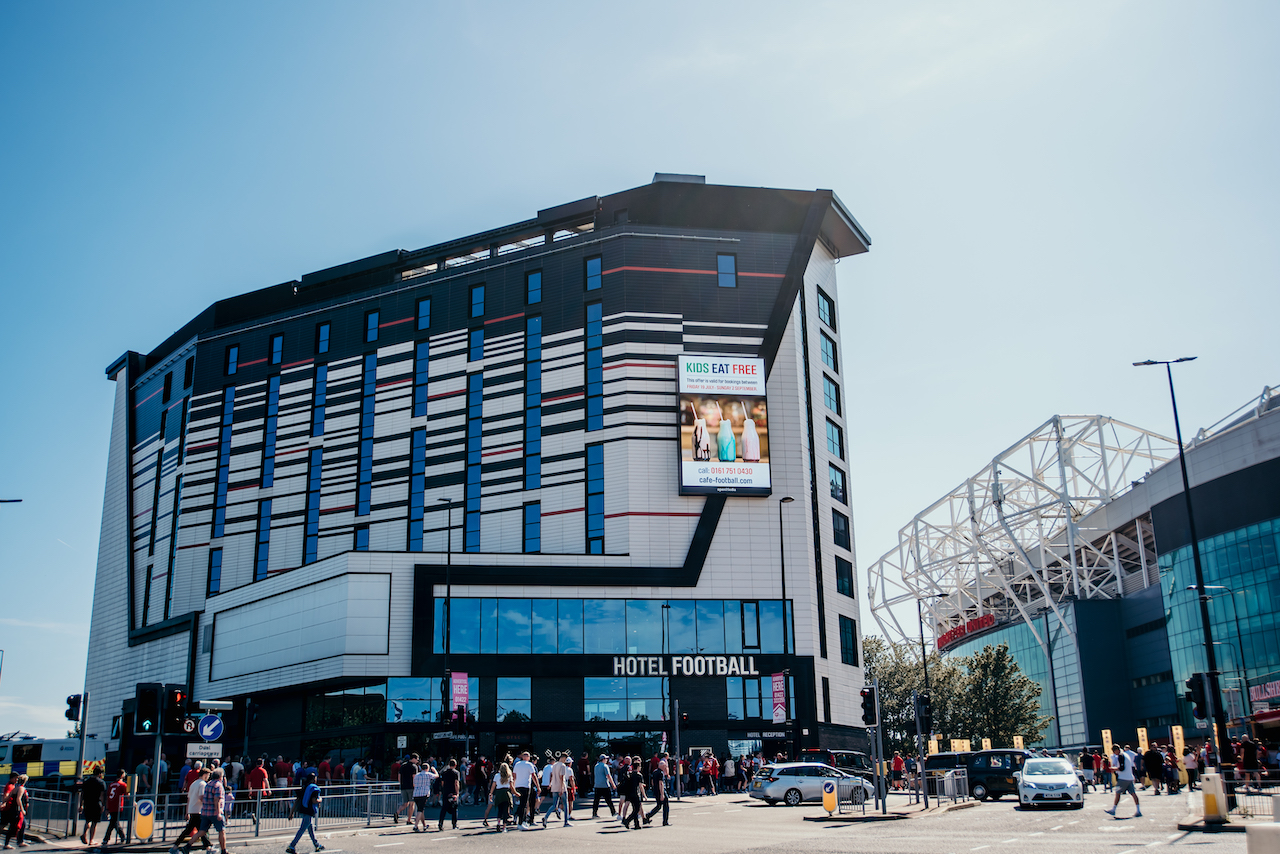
point(500, 796)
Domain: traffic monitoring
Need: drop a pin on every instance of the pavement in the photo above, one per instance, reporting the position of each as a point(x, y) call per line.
point(733, 822)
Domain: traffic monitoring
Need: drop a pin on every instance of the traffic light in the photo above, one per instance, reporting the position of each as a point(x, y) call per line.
point(869, 706)
point(175, 709)
point(146, 708)
point(684, 717)
point(73, 707)
point(1196, 696)
point(925, 702)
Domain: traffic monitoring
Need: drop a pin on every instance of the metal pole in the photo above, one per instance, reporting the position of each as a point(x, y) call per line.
point(675, 723)
point(1246, 705)
point(915, 701)
point(884, 798)
point(924, 663)
point(74, 803)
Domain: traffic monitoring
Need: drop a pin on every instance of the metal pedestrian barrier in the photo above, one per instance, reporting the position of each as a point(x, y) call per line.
point(50, 811)
point(851, 794)
point(952, 784)
point(342, 806)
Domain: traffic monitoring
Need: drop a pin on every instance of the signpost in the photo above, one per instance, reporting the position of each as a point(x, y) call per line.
point(144, 818)
point(210, 727)
point(829, 796)
point(203, 750)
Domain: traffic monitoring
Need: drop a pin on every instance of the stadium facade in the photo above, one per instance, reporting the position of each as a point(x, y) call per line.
point(564, 461)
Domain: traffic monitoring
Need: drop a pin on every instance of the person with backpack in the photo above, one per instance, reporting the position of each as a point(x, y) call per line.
point(13, 811)
point(307, 806)
point(1125, 763)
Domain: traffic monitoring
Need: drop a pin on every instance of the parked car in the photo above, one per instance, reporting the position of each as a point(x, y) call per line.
point(796, 782)
point(850, 761)
point(1045, 782)
point(993, 773)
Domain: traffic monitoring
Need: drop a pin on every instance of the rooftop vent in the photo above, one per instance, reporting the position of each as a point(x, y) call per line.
point(678, 178)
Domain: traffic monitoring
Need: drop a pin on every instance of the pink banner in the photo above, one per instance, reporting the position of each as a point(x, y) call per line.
point(779, 698)
point(461, 691)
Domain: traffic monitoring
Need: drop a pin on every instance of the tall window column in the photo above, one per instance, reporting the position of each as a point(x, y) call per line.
point(311, 538)
point(417, 484)
point(475, 425)
point(364, 482)
point(533, 403)
point(224, 461)
point(595, 366)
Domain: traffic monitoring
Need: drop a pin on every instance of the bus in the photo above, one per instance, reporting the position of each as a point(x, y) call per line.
point(49, 763)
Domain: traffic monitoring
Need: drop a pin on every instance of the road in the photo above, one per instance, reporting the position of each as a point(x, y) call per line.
point(730, 823)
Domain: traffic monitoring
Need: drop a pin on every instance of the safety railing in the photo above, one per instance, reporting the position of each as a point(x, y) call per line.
point(254, 815)
point(49, 811)
point(852, 794)
point(1248, 799)
point(948, 783)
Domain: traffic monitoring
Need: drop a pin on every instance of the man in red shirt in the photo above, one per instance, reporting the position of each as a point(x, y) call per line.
point(283, 771)
point(340, 771)
point(115, 805)
point(259, 784)
point(325, 772)
point(192, 775)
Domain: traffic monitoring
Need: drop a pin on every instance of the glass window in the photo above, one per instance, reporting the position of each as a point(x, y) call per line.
point(371, 327)
point(750, 625)
point(475, 349)
point(595, 499)
point(726, 271)
point(837, 484)
point(189, 372)
point(604, 698)
point(277, 349)
point(831, 394)
point(477, 301)
point(233, 359)
point(532, 523)
point(264, 540)
point(848, 641)
point(732, 626)
point(515, 699)
point(682, 635)
point(593, 273)
point(362, 538)
point(424, 313)
point(644, 626)
point(840, 529)
point(602, 620)
point(844, 576)
point(533, 287)
point(771, 626)
point(514, 628)
point(488, 626)
point(826, 310)
point(168, 387)
point(544, 626)
point(322, 338)
point(595, 366)
point(828, 348)
point(835, 440)
point(569, 634)
point(215, 572)
point(464, 625)
point(710, 626)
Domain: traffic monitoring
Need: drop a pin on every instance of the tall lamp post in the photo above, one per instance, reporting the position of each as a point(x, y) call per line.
point(786, 628)
point(1235, 613)
point(924, 664)
point(1223, 751)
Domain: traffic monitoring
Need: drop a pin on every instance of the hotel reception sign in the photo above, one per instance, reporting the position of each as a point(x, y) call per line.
point(724, 426)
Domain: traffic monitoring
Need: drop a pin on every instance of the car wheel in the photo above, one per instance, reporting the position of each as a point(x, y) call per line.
point(771, 801)
point(979, 791)
point(1078, 806)
point(792, 798)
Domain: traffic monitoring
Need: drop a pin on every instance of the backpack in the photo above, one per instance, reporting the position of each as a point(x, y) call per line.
point(1123, 763)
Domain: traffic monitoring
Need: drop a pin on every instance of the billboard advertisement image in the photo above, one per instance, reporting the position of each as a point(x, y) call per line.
point(724, 426)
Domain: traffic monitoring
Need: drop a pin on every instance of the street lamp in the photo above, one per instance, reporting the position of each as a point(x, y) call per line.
point(1235, 613)
point(1223, 752)
point(924, 663)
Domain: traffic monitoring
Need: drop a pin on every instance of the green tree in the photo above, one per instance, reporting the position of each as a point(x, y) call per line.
point(1001, 701)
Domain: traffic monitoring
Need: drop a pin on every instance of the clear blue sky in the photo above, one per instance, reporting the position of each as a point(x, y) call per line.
point(1053, 191)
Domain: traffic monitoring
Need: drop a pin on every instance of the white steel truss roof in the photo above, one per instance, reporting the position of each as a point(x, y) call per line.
point(1006, 542)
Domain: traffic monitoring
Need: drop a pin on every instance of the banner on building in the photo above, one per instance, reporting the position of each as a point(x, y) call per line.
point(779, 698)
point(724, 426)
point(460, 691)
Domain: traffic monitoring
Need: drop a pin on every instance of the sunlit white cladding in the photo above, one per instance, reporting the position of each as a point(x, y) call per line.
point(1007, 541)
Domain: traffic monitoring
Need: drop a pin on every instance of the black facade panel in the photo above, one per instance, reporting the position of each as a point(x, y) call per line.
point(1232, 501)
point(1104, 675)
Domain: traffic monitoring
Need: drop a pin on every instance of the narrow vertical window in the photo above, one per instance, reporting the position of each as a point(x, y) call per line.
point(837, 484)
point(224, 461)
point(182, 430)
point(214, 585)
point(595, 499)
point(831, 394)
point(269, 432)
point(533, 528)
point(189, 372)
point(233, 359)
point(370, 327)
point(168, 388)
point(828, 348)
point(417, 486)
point(475, 412)
point(595, 366)
point(477, 300)
point(173, 544)
point(533, 403)
point(844, 577)
point(475, 345)
point(362, 538)
point(319, 391)
point(726, 271)
point(840, 530)
point(424, 313)
point(277, 349)
point(322, 338)
point(364, 482)
point(835, 439)
point(421, 374)
point(848, 641)
point(826, 700)
point(155, 496)
point(750, 625)
point(533, 287)
point(826, 310)
point(593, 273)
point(311, 535)
point(263, 551)
point(146, 596)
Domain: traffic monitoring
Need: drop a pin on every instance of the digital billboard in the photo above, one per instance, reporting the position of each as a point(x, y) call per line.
point(724, 426)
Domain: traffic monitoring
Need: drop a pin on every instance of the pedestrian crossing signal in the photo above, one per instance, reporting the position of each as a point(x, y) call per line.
point(73, 707)
point(869, 706)
point(146, 708)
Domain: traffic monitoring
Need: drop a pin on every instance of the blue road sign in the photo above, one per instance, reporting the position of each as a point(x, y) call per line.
point(210, 727)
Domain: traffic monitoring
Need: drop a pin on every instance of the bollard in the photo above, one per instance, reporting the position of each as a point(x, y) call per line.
point(1215, 798)
point(1275, 808)
point(1262, 839)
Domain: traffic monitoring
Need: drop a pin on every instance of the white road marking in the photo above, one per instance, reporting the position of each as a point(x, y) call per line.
point(1077, 821)
point(1154, 844)
point(1037, 833)
point(708, 812)
point(442, 838)
point(1059, 827)
point(388, 844)
point(1007, 841)
point(980, 847)
point(1173, 836)
point(737, 810)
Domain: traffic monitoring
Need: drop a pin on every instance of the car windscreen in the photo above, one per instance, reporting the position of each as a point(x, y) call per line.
point(1047, 767)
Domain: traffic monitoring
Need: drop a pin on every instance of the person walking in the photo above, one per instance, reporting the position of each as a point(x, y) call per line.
point(661, 797)
point(259, 783)
point(13, 811)
point(1249, 766)
point(603, 786)
point(631, 786)
point(308, 807)
point(500, 796)
point(116, 793)
point(450, 789)
point(423, 782)
point(407, 771)
point(195, 801)
point(212, 808)
point(1190, 761)
point(1086, 766)
point(1153, 766)
point(525, 775)
point(559, 791)
point(144, 776)
point(92, 791)
point(1125, 763)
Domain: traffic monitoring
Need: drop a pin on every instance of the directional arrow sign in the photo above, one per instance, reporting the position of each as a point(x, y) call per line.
point(210, 727)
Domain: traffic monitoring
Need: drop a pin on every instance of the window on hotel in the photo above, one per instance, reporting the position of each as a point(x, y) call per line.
point(835, 439)
point(233, 359)
point(370, 327)
point(831, 394)
point(828, 347)
point(189, 372)
point(594, 274)
point(848, 641)
point(727, 271)
point(477, 301)
point(214, 585)
point(277, 349)
point(837, 484)
point(844, 576)
point(322, 338)
point(515, 699)
point(840, 529)
point(826, 310)
point(533, 287)
point(424, 313)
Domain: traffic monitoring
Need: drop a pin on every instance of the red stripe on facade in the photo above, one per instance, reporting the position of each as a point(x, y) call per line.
point(560, 512)
point(766, 275)
point(390, 383)
point(547, 400)
point(500, 319)
point(246, 486)
point(148, 397)
point(191, 448)
point(640, 365)
point(659, 270)
point(447, 394)
point(293, 451)
point(516, 449)
point(295, 364)
point(395, 322)
point(254, 362)
point(644, 513)
point(337, 509)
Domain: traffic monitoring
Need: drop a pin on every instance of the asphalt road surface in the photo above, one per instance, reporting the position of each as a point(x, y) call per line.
point(736, 823)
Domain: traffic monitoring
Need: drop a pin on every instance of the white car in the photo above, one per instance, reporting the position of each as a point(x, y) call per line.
point(1045, 782)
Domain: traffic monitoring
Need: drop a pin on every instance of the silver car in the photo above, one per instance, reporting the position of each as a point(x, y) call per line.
point(1050, 782)
point(796, 782)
